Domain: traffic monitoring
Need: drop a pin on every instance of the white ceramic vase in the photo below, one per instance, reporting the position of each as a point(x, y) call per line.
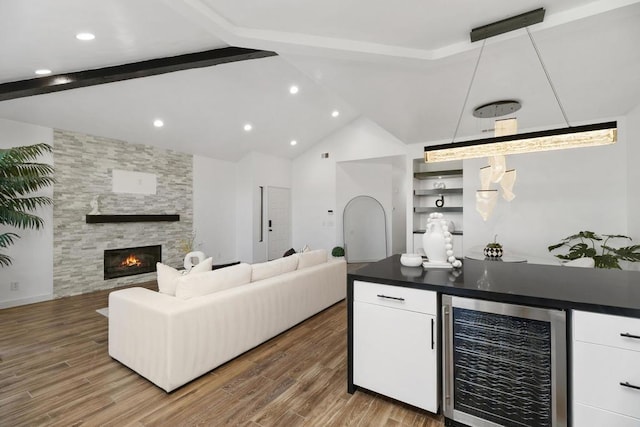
point(433, 241)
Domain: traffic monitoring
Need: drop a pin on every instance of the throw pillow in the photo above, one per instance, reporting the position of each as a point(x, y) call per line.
point(276, 267)
point(289, 252)
point(168, 276)
point(195, 285)
point(311, 258)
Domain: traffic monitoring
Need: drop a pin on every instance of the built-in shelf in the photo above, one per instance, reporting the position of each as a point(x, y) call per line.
point(96, 219)
point(435, 174)
point(437, 191)
point(455, 233)
point(435, 209)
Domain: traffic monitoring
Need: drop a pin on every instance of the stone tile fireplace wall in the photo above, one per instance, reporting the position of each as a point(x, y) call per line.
point(83, 167)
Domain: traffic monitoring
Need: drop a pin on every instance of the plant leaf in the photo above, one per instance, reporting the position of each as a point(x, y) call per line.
point(556, 246)
point(606, 261)
point(628, 253)
point(5, 260)
point(581, 250)
point(7, 239)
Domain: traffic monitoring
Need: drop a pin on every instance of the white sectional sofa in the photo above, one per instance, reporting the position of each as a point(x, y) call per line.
point(171, 340)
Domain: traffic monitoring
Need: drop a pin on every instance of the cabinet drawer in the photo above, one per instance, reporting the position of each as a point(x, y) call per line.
point(597, 373)
point(396, 297)
point(606, 329)
point(588, 416)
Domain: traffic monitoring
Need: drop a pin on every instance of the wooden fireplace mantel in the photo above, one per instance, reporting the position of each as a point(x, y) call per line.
point(96, 219)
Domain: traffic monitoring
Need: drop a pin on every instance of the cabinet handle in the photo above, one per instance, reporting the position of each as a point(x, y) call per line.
point(626, 384)
point(388, 297)
point(433, 338)
point(628, 335)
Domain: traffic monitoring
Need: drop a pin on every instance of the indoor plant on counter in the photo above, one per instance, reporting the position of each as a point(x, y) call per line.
point(609, 257)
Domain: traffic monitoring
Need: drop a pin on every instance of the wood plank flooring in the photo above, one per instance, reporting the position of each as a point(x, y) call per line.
point(55, 371)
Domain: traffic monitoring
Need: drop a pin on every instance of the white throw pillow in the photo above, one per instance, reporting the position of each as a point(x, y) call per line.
point(311, 258)
point(195, 285)
point(168, 276)
point(276, 267)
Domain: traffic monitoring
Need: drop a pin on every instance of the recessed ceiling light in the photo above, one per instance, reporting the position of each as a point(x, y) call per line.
point(158, 123)
point(335, 113)
point(85, 36)
point(293, 142)
point(248, 127)
point(43, 72)
point(293, 89)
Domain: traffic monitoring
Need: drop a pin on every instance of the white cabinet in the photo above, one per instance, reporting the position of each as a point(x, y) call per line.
point(395, 343)
point(606, 370)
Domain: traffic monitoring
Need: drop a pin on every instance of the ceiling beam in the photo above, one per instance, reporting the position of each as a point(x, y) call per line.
point(134, 70)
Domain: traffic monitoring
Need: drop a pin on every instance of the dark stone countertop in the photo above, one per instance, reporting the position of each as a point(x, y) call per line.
point(599, 290)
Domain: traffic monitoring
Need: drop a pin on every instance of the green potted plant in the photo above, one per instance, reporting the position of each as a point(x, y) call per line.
point(583, 245)
point(493, 249)
point(20, 176)
point(337, 252)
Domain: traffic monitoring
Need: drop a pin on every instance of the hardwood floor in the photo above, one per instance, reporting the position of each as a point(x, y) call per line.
point(55, 371)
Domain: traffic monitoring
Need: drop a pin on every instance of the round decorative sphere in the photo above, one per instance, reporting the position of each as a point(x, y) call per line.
point(447, 239)
point(449, 252)
point(411, 260)
point(448, 246)
point(452, 259)
point(493, 252)
point(457, 263)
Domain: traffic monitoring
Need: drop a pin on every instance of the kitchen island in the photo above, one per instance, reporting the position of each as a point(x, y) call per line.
point(395, 315)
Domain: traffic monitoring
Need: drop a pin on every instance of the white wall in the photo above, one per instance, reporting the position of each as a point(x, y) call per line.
point(214, 208)
point(256, 170)
point(314, 185)
point(32, 254)
point(558, 193)
point(364, 179)
point(632, 138)
point(399, 194)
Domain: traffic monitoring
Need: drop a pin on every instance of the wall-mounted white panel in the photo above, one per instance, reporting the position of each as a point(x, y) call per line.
point(133, 182)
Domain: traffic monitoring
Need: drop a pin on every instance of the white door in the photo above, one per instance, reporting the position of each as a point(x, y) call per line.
point(278, 221)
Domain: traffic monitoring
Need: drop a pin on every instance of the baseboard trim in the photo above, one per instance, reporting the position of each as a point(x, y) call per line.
point(25, 301)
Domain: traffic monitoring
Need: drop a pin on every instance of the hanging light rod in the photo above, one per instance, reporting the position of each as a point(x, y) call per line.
point(547, 140)
point(506, 25)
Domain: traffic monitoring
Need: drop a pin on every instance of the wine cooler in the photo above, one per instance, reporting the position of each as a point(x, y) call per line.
point(503, 364)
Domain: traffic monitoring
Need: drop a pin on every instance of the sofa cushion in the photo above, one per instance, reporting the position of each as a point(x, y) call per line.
point(195, 285)
point(264, 270)
point(311, 258)
point(168, 276)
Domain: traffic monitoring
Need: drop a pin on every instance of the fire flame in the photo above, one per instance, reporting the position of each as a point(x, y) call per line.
point(131, 261)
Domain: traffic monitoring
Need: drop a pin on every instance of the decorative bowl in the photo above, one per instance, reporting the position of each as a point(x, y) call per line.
point(411, 260)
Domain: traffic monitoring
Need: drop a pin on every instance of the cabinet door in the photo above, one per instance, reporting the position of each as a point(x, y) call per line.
point(588, 416)
point(597, 373)
point(394, 353)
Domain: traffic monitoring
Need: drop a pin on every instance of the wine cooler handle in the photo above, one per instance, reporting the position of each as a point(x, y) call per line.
point(626, 384)
point(446, 365)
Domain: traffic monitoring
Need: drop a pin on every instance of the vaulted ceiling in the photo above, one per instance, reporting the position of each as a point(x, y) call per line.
point(405, 65)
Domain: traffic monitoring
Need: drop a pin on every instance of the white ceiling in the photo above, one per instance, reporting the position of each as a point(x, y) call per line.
point(405, 65)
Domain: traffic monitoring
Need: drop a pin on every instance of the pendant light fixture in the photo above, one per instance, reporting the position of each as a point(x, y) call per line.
point(555, 139)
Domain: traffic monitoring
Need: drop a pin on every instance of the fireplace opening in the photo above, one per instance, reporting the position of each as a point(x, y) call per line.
point(131, 261)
